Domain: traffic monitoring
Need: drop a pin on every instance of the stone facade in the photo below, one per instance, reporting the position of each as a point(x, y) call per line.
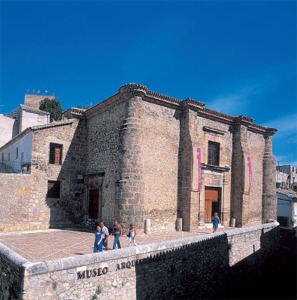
point(132, 158)
point(33, 101)
point(24, 201)
point(177, 269)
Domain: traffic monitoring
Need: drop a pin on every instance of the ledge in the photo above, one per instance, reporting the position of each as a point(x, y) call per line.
point(213, 130)
point(215, 168)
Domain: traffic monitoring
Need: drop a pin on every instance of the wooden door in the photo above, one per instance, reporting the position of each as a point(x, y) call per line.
point(94, 203)
point(208, 209)
point(211, 203)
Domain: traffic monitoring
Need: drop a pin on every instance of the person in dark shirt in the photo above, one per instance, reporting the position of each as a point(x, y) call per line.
point(117, 232)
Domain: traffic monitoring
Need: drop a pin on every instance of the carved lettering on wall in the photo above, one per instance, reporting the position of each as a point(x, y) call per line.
point(92, 273)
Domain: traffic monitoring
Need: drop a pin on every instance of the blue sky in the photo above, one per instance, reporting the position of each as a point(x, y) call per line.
point(239, 57)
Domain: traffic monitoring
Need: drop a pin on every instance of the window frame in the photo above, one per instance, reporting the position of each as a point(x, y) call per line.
point(53, 189)
point(53, 153)
point(213, 155)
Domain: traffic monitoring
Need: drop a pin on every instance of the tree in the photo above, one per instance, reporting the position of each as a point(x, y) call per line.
point(53, 107)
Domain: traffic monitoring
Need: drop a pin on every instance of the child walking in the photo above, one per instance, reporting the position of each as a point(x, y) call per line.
point(132, 235)
point(98, 244)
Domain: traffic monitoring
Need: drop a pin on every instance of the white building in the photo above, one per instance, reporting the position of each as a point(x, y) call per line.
point(6, 126)
point(287, 208)
point(286, 176)
point(16, 154)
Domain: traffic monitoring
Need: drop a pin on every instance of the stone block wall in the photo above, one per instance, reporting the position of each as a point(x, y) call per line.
point(160, 158)
point(247, 206)
point(24, 202)
point(103, 155)
point(195, 266)
point(69, 207)
point(34, 100)
point(256, 146)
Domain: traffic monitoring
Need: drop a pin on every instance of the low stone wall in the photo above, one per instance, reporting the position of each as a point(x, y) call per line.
point(167, 270)
point(12, 269)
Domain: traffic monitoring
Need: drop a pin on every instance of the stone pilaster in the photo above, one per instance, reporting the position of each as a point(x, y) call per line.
point(269, 199)
point(240, 197)
point(130, 186)
point(190, 198)
point(226, 192)
point(201, 207)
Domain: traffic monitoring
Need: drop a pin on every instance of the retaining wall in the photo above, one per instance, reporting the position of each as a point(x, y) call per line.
point(173, 269)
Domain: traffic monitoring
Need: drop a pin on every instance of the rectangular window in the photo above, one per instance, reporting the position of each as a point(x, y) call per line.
point(55, 155)
point(16, 153)
point(8, 156)
point(213, 153)
point(53, 189)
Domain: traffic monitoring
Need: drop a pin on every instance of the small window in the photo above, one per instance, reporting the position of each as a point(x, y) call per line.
point(53, 189)
point(55, 155)
point(213, 153)
point(8, 156)
point(16, 153)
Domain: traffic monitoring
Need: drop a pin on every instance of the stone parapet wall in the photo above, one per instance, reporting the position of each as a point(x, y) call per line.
point(12, 272)
point(166, 270)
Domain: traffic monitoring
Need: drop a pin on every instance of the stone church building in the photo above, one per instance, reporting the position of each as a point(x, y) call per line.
point(142, 155)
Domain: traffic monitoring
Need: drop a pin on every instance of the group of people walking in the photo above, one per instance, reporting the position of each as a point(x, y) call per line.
point(102, 236)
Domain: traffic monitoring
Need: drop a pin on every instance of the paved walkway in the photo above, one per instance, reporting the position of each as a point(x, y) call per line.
point(56, 243)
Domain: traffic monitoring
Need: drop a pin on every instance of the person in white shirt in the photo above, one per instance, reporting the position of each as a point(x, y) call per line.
point(106, 235)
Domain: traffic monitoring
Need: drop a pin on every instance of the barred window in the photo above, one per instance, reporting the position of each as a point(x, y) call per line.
point(55, 155)
point(53, 189)
point(213, 153)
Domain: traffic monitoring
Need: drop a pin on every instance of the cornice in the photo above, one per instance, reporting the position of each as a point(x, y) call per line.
point(215, 168)
point(104, 105)
point(75, 112)
point(36, 128)
point(33, 110)
point(133, 89)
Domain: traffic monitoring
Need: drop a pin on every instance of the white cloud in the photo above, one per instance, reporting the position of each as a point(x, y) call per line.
point(286, 125)
point(233, 103)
